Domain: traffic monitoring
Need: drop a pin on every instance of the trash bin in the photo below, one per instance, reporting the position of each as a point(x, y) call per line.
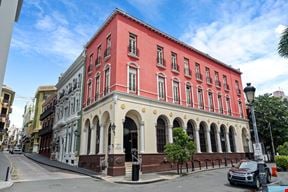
point(135, 171)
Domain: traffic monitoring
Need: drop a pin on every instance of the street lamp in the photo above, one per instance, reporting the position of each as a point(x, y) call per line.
point(258, 155)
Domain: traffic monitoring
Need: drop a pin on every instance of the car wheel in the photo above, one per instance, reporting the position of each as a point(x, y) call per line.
point(268, 178)
point(257, 183)
point(231, 183)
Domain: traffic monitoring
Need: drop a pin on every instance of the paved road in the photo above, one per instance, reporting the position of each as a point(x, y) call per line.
point(25, 169)
point(4, 163)
point(209, 181)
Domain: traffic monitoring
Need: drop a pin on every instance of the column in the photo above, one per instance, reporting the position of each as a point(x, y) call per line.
point(170, 134)
point(142, 141)
point(219, 147)
point(227, 142)
point(73, 140)
point(208, 141)
point(67, 141)
point(101, 142)
point(93, 141)
point(197, 140)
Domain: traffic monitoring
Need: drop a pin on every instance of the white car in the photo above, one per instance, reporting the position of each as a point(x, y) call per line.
point(16, 151)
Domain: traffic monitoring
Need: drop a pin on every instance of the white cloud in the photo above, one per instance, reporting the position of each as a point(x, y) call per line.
point(46, 23)
point(246, 35)
point(149, 8)
point(16, 115)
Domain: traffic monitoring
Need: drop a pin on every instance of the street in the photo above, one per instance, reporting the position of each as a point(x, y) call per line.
point(30, 176)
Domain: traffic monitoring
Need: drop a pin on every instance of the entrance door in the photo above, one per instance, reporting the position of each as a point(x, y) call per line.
point(130, 138)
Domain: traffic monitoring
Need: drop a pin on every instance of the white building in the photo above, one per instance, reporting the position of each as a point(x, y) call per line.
point(68, 113)
point(9, 12)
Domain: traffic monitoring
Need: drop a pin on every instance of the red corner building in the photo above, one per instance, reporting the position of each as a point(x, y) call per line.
point(140, 83)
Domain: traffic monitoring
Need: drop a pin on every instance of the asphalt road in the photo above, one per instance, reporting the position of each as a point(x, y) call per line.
point(4, 163)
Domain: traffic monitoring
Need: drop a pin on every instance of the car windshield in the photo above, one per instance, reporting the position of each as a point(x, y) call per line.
point(248, 165)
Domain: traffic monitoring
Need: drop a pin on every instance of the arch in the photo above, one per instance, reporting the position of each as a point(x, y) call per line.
point(135, 115)
point(105, 121)
point(232, 139)
point(191, 128)
point(161, 74)
point(178, 122)
point(245, 140)
point(96, 125)
point(130, 137)
point(161, 132)
point(213, 137)
point(133, 64)
point(202, 136)
point(87, 127)
point(223, 138)
point(107, 66)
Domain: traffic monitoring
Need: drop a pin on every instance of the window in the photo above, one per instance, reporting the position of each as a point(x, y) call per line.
point(200, 99)
point(176, 97)
point(98, 60)
point(132, 44)
point(220, 104)
point(97, 88)
point(202, 138)
point(187, 70)
point(174, 64)
point(108, 47)
point(226, 86)
point(107, 81)
point(189, 95)
point(161, 135)
point(89, 88)
point(210, 101)
point(89, 69)
point(161, 88)
point(217, 81)
point(228, 105)
point(132, 80)
point(6, 98)
point(198, 72)
point(238, 90)
point(208, 77)
point(240, 109)
point(160, 56)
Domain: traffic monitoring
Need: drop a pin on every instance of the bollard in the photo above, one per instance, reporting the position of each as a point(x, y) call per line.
point(7, 174)
point(200, 165)
point(206, 162)
point(213, 164)
point(219, 163)
point(193, 166)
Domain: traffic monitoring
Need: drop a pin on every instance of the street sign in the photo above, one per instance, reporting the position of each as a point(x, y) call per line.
point(257, 150)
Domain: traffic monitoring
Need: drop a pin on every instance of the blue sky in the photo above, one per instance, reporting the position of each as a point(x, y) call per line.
point(50, 34)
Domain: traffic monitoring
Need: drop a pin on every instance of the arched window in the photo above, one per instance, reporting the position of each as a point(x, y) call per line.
point(213, 133)
point(202, 138)
point(97, 136)
point(190, 131)
point(161, 135)
point(232, 139)
point(223, 138)
point(88, 140)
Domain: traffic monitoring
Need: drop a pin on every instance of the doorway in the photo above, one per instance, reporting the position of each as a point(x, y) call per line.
point(130, 138)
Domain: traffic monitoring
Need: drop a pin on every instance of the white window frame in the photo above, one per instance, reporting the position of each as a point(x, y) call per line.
point(132, 44)
point(189, 94)
point(176, 91)
point(210, 100)
point(107, 80)
point(160, 56)
point(132, 73)
point(162, 91)
point(200, 97)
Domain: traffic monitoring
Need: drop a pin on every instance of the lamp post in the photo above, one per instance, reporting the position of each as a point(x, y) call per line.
point(258, 155)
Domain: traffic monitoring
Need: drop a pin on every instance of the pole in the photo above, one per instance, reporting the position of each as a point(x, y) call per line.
point(7, 174)
point(272, 142)
point(259, 158)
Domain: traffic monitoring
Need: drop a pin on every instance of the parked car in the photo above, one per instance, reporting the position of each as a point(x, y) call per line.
point(246, 172)
point(16, 151)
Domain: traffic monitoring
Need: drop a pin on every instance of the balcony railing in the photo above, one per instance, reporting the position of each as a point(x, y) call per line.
point(175, 67)
point(221, 110)
point(106, 90)
point(107, 52)
point(226, 86)
point(218, 83)
point(98, 61)
point(47, 112)
point(97, 96)
point(89, 69)
point(238, 91)
point(187, 72)
point(229, 112)
point(199, 76)
point(201, 106)
point(161, 62)
point(133, 51)
point(209, 80)
point(88, 101)
point(211, 108)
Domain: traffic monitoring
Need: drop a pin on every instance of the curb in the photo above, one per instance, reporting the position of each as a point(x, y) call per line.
point(141, 182)
point(5, 184)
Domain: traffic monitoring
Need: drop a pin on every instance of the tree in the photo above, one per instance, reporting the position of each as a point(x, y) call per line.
point(273, 110)
point(283, 44)
point(283, 149)
point(181, 150)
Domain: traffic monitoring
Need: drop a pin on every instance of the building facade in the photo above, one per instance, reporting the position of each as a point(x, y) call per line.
point(68, 113)
point(42, 93)
point(140, 83)
point(47, 120)
point(28, 116)
point(6, 102)
point(9, 13)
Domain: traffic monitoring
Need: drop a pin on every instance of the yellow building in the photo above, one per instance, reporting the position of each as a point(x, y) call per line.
point(6, 101)
point(42, 93)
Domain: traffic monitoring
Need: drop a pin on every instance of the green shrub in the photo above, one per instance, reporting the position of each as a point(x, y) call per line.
point(283, 149)
point(282, 161)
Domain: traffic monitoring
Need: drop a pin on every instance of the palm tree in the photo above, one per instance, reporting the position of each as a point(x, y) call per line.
point(283, 44)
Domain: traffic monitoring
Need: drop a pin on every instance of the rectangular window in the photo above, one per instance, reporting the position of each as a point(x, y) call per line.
point(198, 72)
point(200, 99)
point(174, 62)
point(132, 80)
point(237, 87)
point(160, 56)
point(90, 63)
point(187, 70)
point(240, 109)
point(208, 77)
point(161, 88)
point(226, 86)
point(132, 44)
point(176, 96)
point(89, 93)
point(107, 81)
point(217, 81)
point(98, 60)
point(97, 88)
point(220, 104)
point(108, 46)
point(210, 101)
point(228, 106)
point(189, 95)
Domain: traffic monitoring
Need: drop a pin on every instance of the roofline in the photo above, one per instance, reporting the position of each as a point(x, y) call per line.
point(121, 12)
point(18, 10)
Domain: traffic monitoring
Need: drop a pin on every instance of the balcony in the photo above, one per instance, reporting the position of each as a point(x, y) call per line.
point(211, 109)
point(47, 112)
point(229, 112)
point(161, 62)
point(88, 101)
point(218, 83)
point(221, 110)
point(201, 106)
point(133, 52)
point(5, 101)
point(226, 87)
point(98, 61)
point(97, 96)
point(188, 73)
point(175, 67)
point(106, 90)
point(107, 53)
point(238, 91)
point(209, 80)
point(199, 77)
